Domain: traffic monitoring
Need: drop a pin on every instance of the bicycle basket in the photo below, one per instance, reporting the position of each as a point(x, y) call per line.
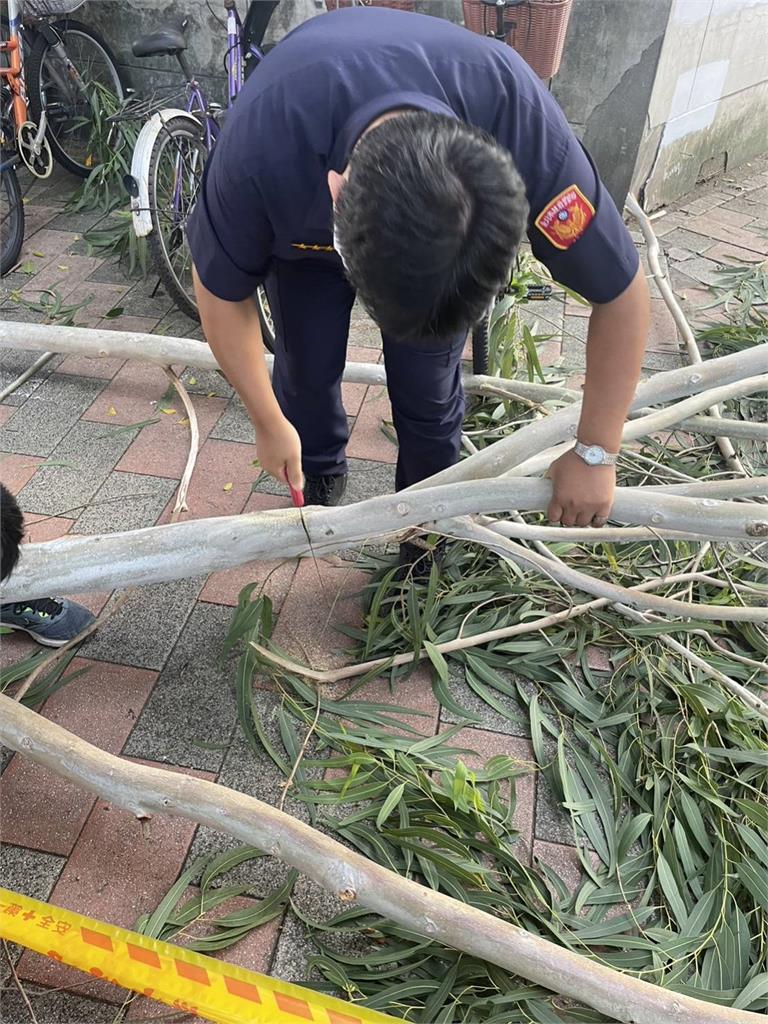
point(536, 29)
point(51, 8)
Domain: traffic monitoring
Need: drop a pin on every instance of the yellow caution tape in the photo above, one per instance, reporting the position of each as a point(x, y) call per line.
point(185, 980)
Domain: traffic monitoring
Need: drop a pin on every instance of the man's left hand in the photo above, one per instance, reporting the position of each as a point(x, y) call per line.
point(582, 495)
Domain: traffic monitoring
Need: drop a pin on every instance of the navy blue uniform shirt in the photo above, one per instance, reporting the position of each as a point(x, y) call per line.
point(265, 192)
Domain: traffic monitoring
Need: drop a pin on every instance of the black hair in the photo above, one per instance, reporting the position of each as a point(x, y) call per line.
point(428, 223)
point(11, 531)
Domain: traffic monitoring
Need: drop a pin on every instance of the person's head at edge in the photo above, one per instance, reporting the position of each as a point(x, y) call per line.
point(11, 532)
point(428, 216)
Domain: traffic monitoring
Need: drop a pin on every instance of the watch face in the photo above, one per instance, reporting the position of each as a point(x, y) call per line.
point(594, 455)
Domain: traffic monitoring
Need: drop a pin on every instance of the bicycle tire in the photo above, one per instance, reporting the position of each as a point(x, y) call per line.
point(34, 71)
point(12, 227)
point(182, 294)
point(480, 344)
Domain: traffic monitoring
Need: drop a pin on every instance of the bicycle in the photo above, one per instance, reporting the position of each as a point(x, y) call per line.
point(170, 154)
point(11, 204)
point(52, 66)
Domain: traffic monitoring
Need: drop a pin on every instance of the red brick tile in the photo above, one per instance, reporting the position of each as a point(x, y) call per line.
point(62, 274)
point(367, 440)
point(726, 233)
point(352, 397)
point(564, 861)
point(18, 470)
point(82, 366)
point(42, 811)
point(41, 528)
point(725, 253)
point(50, 243)
point(219, 464)
point(550, 352)
point(133, 395)
point(598, 659)
point(162, 449)
point(140, 324)
point(361, 354)
point(275, 575)
point(662, 336)
point(15, 647)
point(323, 595)
point(414, 692)
point(101, 297)
point(120, 868)
point(253, 952)
point(722, 215)
point(6, 411)
point(486, 745)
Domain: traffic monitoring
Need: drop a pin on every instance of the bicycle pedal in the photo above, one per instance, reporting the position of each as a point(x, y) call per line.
point(539, 292)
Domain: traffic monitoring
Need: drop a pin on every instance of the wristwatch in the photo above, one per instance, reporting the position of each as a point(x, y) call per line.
point(595, 454)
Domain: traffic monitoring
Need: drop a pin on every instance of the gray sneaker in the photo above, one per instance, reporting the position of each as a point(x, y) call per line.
point(52, 621)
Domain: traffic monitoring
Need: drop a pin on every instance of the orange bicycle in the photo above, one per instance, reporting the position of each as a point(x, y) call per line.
point(33, 147)
point(53, 68)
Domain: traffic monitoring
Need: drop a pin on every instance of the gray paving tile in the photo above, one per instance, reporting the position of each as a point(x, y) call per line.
point(295, 946)
point(50, 413)
point(88, 454)
point(13, 362)
point(681, 238)
point(192, 705)
point(662, 360)
point(254, 773)
point(234, 424)
point(207, 382)
point(53, 1007)
point(548, 315)
point(146, 628)
point(487, 717)
point(126, 501)
point(176, 324)
point(111, 271)
point(147, 298)
point(366, 479)
point(700, 269)
point(552, 822)
point(29, 871)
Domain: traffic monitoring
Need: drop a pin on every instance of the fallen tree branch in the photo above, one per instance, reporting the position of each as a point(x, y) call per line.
point(560, 426)
point(351, 877)
point(653, 253)
point(627, 600)
point(459, 643)
point(155, 554)
point(659, 419)
point(194, 444)
point(30, 371)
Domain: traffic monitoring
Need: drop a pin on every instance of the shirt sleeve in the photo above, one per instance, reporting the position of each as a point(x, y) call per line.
point(576, 231)
point(229, 233)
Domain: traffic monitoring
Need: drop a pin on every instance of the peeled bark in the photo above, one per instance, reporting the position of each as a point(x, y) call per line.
point(75, 565)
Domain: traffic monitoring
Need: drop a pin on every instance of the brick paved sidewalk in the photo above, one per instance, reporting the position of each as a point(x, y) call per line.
point(156, 690)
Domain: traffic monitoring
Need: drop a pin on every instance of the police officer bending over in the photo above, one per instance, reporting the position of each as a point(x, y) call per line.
point(402, 157)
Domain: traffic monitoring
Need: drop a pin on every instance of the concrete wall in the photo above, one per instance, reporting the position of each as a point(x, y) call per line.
point(709, 106)
point(662, 92)
point(605, 81)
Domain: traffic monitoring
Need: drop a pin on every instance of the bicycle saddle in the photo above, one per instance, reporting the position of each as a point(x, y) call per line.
point(167, 39)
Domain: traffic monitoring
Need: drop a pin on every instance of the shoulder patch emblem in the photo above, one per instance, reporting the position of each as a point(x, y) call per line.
point(566, 218)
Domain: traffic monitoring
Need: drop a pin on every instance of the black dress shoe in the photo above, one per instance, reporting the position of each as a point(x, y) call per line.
point(324, 490)
point(415, 562)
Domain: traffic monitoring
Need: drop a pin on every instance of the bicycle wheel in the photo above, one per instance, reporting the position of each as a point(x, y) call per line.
point(480, 338)
point(67, 100)
point(175, 175)
point(11, 219)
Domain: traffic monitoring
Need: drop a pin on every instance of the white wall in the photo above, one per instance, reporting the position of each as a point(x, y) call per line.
point(709, 106)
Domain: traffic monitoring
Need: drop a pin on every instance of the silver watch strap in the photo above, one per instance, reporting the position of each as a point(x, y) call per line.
point(608, 458)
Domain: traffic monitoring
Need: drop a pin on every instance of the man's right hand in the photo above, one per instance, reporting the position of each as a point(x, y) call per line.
point(279, 450)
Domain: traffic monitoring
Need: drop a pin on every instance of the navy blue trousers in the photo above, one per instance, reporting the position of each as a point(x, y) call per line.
point(311, 303)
